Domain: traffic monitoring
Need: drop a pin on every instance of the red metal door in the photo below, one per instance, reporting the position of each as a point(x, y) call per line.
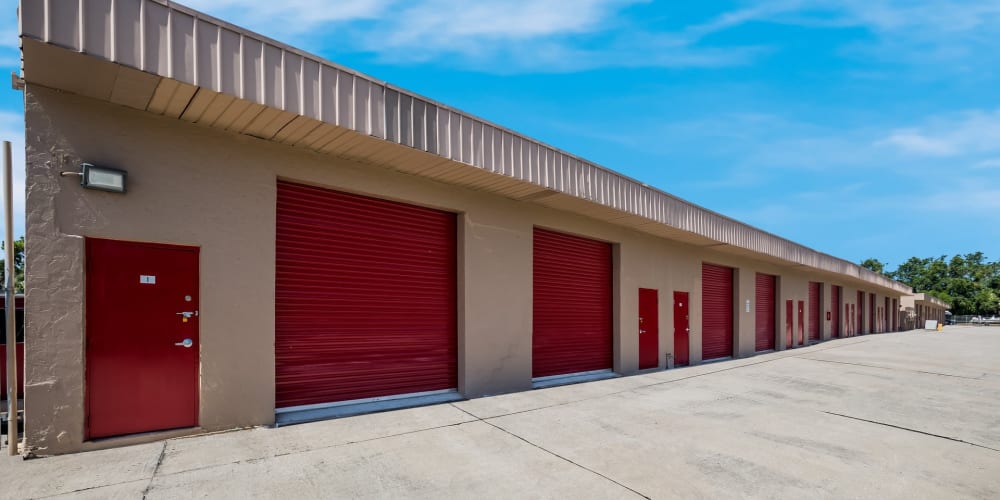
point(789, 317)
point(365, 297)
point(802, 321)
point(856, 319)
point(649, 328)
point(834, 311)
point(871, 313)
point(765, 324)
point(814, 311)
point(716, 311)
point(885, 316)
point(894, 314)
point(142, 337)
point(572, 318)
point(859, 325)
point(682, 329)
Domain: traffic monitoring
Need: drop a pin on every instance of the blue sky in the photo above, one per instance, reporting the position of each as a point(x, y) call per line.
point(861, 128)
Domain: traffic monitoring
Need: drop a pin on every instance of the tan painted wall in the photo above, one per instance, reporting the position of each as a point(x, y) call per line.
point(198, 186)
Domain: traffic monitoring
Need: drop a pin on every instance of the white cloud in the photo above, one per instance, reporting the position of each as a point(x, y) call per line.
point(290, 16)
point(494, 36)
point(987, 164)
point(947, 35)
point(912, 141)
point(957, 134)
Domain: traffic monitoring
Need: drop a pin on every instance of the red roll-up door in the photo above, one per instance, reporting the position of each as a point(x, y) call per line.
point(895, 315)
point(365, 297)
point(859, 328)
point(765, 320)
point(572, 319)
point(834, 311)
point(716, 311)
point(871, 313)
point(814, 315)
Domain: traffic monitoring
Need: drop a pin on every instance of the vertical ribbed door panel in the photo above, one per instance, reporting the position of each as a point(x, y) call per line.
point(572, 317)
point(859, 328)
point(765, 323)
point(365, 297)
point(834, 311)
point(716, 311)
point(814, 321)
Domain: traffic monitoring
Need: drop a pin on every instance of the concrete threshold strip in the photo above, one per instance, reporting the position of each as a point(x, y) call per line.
point(325, 411)
point(572, 378)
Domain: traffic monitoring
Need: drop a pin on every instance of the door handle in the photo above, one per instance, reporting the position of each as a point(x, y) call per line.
point(184, 343)
point(642, 331)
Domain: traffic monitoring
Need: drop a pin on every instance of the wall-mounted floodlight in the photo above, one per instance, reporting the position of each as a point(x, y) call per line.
point(105, 179)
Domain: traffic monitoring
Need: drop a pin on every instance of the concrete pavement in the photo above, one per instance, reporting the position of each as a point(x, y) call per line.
point(904, 415)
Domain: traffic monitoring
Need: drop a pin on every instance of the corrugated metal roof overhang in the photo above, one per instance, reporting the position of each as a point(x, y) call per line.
point(930, 299)
point(172, 60)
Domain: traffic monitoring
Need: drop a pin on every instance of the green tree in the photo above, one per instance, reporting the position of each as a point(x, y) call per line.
point(18, 265)
point(970, 282)
point(874, 265)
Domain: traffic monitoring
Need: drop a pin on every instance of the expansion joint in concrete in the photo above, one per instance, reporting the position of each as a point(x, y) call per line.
point(159, 461)
point(892, 368)
point(957, 440)
point(550, 452)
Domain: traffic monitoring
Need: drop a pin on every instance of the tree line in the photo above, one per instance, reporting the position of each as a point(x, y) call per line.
point(18, 265)
point(970, 282)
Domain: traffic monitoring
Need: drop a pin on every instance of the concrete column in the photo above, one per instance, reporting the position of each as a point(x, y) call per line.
point(495, 309)
point(744, 329)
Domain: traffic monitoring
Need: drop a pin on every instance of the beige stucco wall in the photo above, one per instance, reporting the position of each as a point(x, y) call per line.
point(199, 186)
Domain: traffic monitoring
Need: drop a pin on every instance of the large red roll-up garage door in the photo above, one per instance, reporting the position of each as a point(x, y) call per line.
point(716, 311)
point(365, 297)
point(814, 322)
point(571, 322)
point(765, 320)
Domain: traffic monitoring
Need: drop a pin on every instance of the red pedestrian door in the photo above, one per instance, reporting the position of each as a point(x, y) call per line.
point(649, 329)
point(789, 339)
point(142, 347)
point(802, 323)
point(682, 329)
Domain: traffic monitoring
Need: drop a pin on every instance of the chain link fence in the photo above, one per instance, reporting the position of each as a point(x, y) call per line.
point(970, 319)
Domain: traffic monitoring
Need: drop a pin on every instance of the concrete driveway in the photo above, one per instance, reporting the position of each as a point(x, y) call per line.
point(905, 415)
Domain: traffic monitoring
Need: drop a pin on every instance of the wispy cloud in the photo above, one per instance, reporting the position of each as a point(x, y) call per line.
point(987, 164)
point(947, 35)
point(291, 16)
point(972, 132)
point(494, 36)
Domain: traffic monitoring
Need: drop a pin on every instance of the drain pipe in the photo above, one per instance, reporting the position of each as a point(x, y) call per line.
point(13, 439)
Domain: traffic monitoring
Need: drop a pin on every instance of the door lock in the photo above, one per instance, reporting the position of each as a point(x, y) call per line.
point(184, 343)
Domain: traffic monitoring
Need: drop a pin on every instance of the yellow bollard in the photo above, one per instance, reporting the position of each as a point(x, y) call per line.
point(940, 327)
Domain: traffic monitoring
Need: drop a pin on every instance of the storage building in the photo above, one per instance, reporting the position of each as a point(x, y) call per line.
point(226, 231)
